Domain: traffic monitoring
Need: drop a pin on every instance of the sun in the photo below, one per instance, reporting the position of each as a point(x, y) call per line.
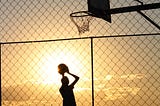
point(48, 68)
point(48, 71)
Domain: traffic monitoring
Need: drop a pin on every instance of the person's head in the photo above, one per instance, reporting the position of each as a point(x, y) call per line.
point(62, 68)
point(65, 80)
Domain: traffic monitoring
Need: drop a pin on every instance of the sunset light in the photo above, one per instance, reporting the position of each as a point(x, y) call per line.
point(49, 70)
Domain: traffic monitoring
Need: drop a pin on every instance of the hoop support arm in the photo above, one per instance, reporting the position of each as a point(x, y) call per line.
point(135, 8)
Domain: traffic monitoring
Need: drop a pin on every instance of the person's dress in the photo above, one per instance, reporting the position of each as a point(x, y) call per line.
point(68, 95)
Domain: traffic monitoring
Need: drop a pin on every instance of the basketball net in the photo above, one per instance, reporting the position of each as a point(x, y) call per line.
point(81, 19)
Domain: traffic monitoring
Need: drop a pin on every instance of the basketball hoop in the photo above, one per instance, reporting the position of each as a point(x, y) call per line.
point(81, 19)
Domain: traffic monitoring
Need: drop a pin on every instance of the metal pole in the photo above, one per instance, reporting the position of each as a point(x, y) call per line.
point(92, 73)
point(0, 68)
point(145, 16)
point(135, 8)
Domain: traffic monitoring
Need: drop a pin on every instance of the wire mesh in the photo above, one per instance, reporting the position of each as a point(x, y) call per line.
point(24, 20)
point(30, 75)
point(126, 71)
point(126, 68)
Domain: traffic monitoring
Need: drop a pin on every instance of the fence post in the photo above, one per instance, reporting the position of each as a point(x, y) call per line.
point(1, 69)
point(92, 72)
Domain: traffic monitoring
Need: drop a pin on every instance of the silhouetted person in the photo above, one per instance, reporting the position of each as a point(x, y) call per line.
point(66, 90)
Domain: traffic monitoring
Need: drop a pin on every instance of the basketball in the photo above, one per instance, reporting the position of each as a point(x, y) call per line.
point(62, 68)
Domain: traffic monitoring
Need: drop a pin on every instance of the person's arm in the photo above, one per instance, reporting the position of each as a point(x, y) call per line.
point(76, 79)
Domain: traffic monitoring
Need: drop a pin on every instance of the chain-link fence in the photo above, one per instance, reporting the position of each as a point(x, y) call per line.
point(25, 20)
point(118, 63)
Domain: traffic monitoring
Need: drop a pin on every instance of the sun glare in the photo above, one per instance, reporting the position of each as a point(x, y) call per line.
point(49, 73)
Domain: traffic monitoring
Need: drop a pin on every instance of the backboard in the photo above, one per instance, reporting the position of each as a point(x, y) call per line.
point(100, 9)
